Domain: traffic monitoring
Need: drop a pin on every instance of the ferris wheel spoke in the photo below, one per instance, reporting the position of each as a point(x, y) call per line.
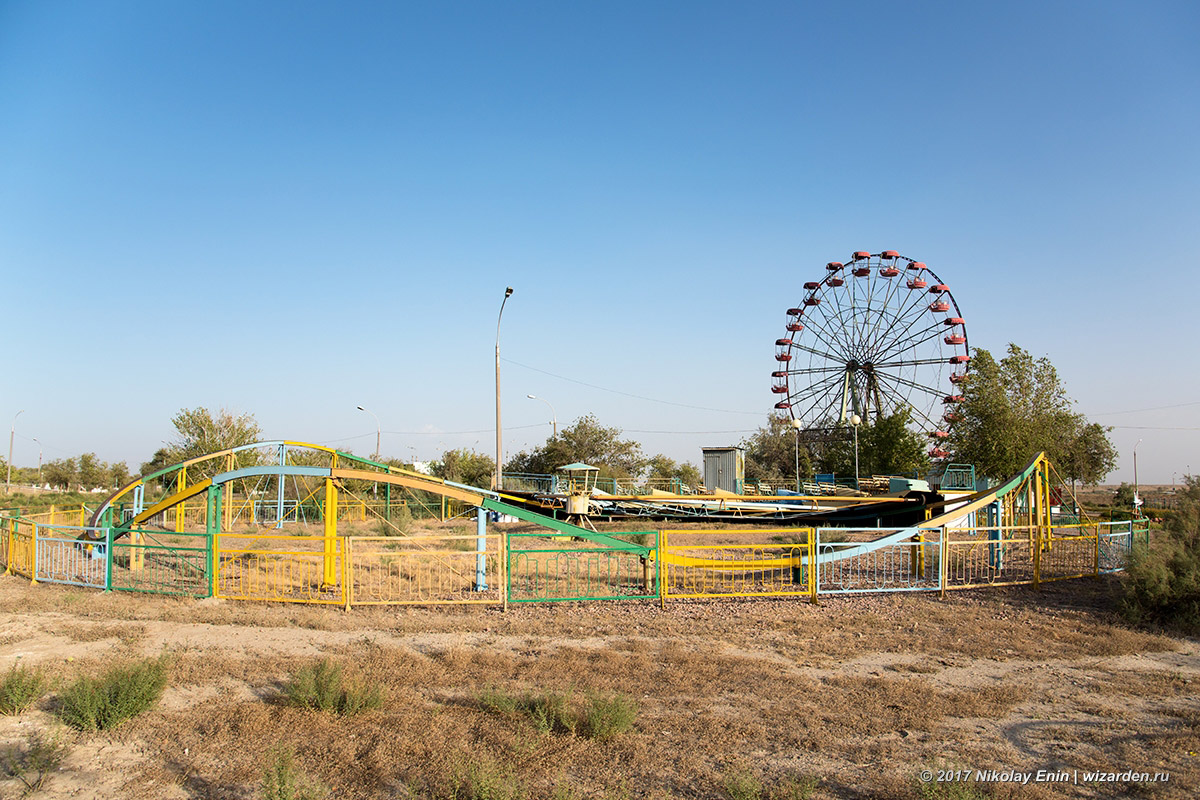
point(911, 384)
point(841, 326)
point(912, 363)
point(815, 370)
point(914, 339)
point(933, 424)
point(815, 352)
point(829, 336)
point(911, 305)
point(814, 393)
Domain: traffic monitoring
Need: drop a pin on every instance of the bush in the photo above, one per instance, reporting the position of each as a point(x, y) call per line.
point(284, 781)
point(605, 717)
point(1162, 582)
point(320, 687)
point(43, 753)
point(600, 717)
point(120, 694)
point(20, 688)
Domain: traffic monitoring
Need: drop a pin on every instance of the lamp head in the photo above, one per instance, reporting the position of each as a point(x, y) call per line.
point(531, 396)
point(508, 291)
point(855, 420)
point(360, 408)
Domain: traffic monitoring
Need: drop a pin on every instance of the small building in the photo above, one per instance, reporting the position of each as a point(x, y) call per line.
point(724, 469)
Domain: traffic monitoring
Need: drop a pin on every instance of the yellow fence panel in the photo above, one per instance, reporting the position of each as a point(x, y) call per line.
point(426, 570)
point(277, 568)
point(733, 563)
point(988, 557)
point(1071, 553)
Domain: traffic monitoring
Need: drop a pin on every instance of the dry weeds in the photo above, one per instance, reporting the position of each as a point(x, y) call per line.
point(858, 692)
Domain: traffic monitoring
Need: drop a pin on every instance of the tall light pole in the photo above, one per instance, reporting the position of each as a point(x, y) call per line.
point(797, 424)
point(1136, 496)
point(855, 420)
point(508, 290)
point(378, 429)
point(11, 432)
point(553, 415)
point(39, 459)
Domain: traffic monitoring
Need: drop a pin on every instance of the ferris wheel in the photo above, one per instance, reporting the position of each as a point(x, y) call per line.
point(874, 335)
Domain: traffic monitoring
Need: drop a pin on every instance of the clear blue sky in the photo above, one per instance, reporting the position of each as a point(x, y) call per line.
point(294, 208)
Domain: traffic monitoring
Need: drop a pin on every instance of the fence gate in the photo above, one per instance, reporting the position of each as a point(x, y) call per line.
point(544, 567)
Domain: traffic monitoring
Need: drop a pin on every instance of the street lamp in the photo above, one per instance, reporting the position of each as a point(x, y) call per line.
point(378, 430)
point(553, 414)
point(1137, 500)
point(855, 420)
point(508, 290)
point(797, 424)
point(11, 432)
point(39, 459)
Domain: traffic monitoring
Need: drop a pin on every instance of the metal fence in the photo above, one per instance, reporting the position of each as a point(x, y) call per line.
point(555, 568)
point(729, 563)
point(498, 567)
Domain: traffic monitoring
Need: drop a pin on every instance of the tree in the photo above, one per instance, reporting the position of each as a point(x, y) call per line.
point(1014, 408)
point(200, 432)
point(60, 473)
point(1162, 580)
point(663, 469)
point(92, 471)
point(587, 441)
point(886, 446)
point(465, 466)
point(771, 452)
point(118, 473)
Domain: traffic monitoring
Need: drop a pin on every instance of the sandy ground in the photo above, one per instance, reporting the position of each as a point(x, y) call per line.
point(860, 693)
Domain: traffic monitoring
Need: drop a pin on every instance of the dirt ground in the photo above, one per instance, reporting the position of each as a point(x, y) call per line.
point(753, 699)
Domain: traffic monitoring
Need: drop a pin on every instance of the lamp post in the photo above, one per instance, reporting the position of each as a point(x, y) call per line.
point(855, 420)
point(378, 429)
point(553, 415)
point(11, 432)
point(1137, 500)
point(796, 425)
point(39, 458)
point(508, 290)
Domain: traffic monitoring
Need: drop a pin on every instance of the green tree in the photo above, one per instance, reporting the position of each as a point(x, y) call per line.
point(92, 471)
point(200, 432)
point(1018, 406)
point(1162, 580)
point(771, 453)
point(60, 473)
point(118, 474)
point(886, 446)
point(662, 469)
point(465, 466)
point(587, 441)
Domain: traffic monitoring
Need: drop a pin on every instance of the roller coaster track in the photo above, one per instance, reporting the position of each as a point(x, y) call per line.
point(372, 471)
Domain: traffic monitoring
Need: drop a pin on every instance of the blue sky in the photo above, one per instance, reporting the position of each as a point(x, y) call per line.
point(292, 209)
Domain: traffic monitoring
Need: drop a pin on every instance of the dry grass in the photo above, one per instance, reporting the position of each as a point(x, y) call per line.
point(858, 693)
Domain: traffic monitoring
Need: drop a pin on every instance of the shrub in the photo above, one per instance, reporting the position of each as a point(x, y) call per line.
point(120, 694)
point(1162, 582)
point(20, 688)
point(284, 781)
point(43, 753)
point(742, 785)
point(321, 687)
point(599, 717)
point(605, 717)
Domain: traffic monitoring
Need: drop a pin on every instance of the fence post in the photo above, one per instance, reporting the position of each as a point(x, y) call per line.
point(943, 559)
point(108, 559)
point(812, 563)
point(505, 579)
point(661, 546)
point(33, 553)
point(480, 550)
point(12, 541)
point(347, 571)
